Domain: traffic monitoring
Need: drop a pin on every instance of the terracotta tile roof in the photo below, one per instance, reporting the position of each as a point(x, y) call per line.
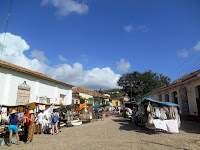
point(87, 91)
point(8, 65)
point(117, 98)
point(179, 80)
point(186, 77)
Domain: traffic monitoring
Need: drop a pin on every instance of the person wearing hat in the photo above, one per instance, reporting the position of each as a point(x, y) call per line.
point(13, 126)
point(26, 124)
point(31, 127)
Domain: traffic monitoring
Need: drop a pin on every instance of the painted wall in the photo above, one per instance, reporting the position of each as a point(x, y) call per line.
point(10, 80)
point(85, 95)
point(114, 102)
point(190, 94)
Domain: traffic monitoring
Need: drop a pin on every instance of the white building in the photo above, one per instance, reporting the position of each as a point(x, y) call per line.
point(20, 86)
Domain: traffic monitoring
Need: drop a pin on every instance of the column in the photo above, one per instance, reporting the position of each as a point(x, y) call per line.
point(7, 89)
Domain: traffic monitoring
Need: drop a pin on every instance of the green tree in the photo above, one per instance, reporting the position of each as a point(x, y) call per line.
point(141, 83)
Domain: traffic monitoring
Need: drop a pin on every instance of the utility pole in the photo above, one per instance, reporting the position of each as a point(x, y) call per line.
point(131, 90)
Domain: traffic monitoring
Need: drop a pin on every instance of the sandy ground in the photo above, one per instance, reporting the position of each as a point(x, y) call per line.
point(115, 132)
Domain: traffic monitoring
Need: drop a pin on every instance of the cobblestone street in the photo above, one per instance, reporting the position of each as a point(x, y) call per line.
point(115, 132)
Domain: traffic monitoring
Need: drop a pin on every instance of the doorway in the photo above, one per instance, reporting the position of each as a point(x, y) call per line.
point(184, 100)
point(175, 97)
point(197, 94)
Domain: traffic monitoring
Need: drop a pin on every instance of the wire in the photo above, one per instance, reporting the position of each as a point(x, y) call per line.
point(188, 69)
point(183, 63)
point(2, 45)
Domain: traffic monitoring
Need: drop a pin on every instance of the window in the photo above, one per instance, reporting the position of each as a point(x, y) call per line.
point(160, 97)
point(175, 97)
point(62, 98)
point(76, 101)
point(166, 97)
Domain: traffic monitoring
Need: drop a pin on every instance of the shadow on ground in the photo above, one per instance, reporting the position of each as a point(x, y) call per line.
point(166, 145)
point(126, 124)
point(190, 127)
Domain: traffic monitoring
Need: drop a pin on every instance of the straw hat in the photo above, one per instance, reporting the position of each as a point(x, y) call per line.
point(31, 112)
point(13, 111)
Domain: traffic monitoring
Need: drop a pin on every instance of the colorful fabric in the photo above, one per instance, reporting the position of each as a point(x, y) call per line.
point(27, 121)
point(31, 131)
point(13, 121)
point(12, 128)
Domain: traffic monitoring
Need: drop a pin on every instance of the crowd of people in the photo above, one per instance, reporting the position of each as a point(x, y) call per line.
point(35, 123)
point(32, 121)
point(99, 113)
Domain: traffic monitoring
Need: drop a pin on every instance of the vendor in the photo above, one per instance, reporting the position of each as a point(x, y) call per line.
point(13, 126)
point(26, 124)
point(31, 127)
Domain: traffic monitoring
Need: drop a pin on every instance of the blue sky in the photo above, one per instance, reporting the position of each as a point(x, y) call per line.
point(102, 39)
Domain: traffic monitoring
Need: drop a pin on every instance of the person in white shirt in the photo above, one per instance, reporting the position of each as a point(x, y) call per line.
point(40, 121)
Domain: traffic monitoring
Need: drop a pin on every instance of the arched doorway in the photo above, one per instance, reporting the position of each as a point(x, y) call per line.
point(184, 100)
point(197, 95)
point(175, 97)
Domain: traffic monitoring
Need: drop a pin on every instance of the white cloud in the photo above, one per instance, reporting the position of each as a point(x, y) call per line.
point(131, 28)
point(142, 28)
point(128, 28)
point(96, 78)
point(65, 7)
point(197, 46)
point(183, 53)
point(62, 58)
point(39, 55)
point(123, 66)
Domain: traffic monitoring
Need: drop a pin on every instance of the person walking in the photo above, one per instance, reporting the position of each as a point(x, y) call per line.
point(54, 121)
point(96, 111)
point(13, 126)
point(40, 121)
point(26, 124)
point(31, 127)
point(102, 114)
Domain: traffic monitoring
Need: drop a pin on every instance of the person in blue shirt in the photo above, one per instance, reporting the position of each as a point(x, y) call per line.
point(13, 126)
point(96, 111)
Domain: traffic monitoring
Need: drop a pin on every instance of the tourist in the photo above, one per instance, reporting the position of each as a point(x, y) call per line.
point(102, 114)
point(13, 126)
point(26, 124)
point(31, 127)
point(54, 121)
point(96, 113)
point(40, 121)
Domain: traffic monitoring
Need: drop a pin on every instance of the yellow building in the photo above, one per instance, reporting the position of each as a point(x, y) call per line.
point(116, 101)
point(107, 99)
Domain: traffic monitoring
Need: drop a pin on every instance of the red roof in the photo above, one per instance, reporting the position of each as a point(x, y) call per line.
point(87, 91)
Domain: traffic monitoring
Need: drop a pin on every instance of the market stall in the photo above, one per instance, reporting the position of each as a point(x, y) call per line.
point(47, 109)
point(158, 115)
point(5, 110)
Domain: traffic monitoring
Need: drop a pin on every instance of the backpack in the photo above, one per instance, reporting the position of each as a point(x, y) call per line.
point(55, 119)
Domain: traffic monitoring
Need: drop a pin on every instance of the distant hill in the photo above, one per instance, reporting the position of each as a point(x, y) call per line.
point(112, 91)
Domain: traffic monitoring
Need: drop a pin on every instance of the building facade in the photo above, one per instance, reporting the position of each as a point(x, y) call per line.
point(21, 86)
point(89, 96)
point(184, 91)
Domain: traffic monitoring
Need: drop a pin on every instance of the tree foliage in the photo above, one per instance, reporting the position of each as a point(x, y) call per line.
point(142, 83)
